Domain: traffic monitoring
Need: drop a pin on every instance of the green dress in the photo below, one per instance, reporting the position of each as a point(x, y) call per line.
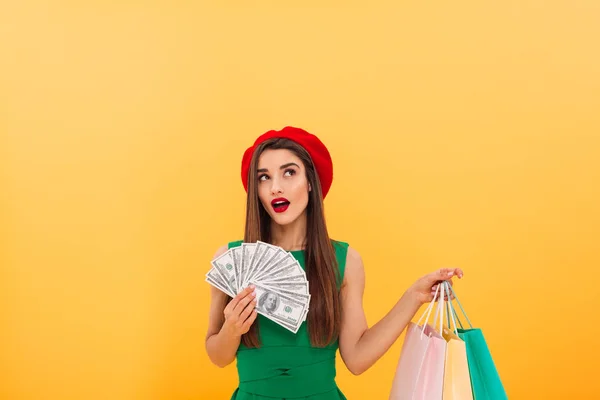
point(286, 365)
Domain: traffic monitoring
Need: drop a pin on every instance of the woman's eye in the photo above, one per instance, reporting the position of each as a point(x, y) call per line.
point(262, 177)
point(290, 171)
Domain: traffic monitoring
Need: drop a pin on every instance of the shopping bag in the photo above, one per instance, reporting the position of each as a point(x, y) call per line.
point(409, 364)
point(485, 379)
point(431, 377)
point(416, 365)
point(457, 381)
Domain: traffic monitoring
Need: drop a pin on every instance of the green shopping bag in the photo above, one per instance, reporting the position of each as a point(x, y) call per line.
point(485, 380)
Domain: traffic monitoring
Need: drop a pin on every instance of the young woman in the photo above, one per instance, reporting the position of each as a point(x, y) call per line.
point(287, 174)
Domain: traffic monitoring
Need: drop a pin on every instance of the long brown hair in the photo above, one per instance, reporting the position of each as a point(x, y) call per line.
point(321, 266)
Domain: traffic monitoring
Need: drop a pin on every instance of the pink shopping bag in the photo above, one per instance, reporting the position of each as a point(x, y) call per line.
point(420, 370)
point(430, 383)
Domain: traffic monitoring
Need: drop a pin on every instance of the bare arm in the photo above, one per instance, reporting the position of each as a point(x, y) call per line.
point(361, 346)
point(228, 322)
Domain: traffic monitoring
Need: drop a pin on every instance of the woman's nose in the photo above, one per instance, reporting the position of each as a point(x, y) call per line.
point(275, 187)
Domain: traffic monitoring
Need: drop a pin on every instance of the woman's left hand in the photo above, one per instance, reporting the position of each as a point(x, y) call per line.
point(424, 288)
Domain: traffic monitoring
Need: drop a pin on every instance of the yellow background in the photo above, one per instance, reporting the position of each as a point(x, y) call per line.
point(463, 133)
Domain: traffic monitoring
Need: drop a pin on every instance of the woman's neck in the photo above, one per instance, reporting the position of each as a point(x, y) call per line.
point(289, 237)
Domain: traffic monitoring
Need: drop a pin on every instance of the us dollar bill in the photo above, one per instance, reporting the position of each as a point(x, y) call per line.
point(286, 279)
point(289, 268)
point(279, 307)
point(248, 250)
point(294, 287)
point(255, 261)
point(215, 279)
point(303, 297)
point(236, 255)
point(270, 256)
point(225, 266)
point(280, 259)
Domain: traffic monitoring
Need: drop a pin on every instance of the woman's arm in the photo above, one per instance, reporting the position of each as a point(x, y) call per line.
point(228, 322)
point(361, 346)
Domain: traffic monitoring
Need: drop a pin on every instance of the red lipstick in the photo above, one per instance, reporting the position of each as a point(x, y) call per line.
point(280, 204)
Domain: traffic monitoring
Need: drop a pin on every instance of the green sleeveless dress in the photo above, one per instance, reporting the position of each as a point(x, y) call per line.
point(286, 365)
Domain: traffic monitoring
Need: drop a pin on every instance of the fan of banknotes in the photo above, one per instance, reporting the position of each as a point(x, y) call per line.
point(281, 286)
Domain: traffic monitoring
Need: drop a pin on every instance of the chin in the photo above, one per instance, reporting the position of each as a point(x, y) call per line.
point(283, 219)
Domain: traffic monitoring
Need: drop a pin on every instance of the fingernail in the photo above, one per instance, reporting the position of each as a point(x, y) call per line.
point(254, 293)
point(450, 273)
point(251, 286)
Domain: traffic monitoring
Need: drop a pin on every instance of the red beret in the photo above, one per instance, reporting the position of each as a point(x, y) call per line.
point(317, 150)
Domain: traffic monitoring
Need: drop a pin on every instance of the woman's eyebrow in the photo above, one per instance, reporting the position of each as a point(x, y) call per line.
point(282, 167)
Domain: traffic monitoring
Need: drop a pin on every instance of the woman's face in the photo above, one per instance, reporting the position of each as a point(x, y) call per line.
point(282, 185)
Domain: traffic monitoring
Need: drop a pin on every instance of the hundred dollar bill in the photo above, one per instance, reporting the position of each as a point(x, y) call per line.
point(224, 264)
point(214, 275)
point(248, 250)
point(285, 324)
point(215, 279)
point(290, 268)
point(293, 329)
point(283, 258)
point(236, 255)
point(294, 287)
point(305, 314)
point(271, 255)
point(286, 279)
point(260, 252)
point(279, 307)
point(302, 297)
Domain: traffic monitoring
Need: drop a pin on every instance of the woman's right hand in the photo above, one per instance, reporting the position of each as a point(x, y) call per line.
point(424, 289)
point(240, 312)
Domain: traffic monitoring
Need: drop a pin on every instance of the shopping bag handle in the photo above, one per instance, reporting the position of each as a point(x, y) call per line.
point(439, 313)
point(460, 305)
point(450, 309)
point(429, 308)
point(448, 305)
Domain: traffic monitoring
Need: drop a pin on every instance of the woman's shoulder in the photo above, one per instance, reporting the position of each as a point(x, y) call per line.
point(339, 244)
point(348, 254)
point(344, 249)
point(341, 249)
